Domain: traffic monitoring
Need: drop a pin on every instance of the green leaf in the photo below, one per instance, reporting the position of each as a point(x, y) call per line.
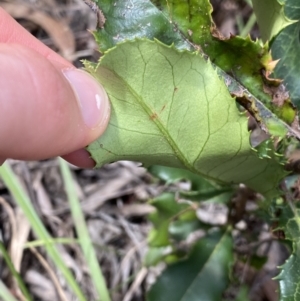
point(270, 17)
point(257, 261)
point(243, 294)
point(172, 221)
point(130, 19)
point(172, 175)
point(289, 277)
point(181, 229)
point(203, 276)
point(286, 47)
point(201, 189)
point(239, 61)
point(187, 25)
point(289, 222)
point(241, 58)
point(155, 254)
point(193, 18)
point(167, 209)
point(170, 108)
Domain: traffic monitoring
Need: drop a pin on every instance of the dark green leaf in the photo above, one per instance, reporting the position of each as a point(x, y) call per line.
point(130, 19)
point(289, 222)
point(222, 196)
point(171, 175)
point(181, 229)
point(257, 261)
point(201, 189)
point(286, 47)
point(289, 277)
point(203, 276)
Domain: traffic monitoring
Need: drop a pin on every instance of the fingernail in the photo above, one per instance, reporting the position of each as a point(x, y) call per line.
point(92, 98)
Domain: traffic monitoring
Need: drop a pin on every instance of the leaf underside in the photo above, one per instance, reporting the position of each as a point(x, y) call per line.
point(241, 58)
point(170, 108)
point(270, 17)
point(189, 25)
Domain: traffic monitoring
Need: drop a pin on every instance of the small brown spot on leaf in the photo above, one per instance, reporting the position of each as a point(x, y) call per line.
point(164, 106)
point(153, 116)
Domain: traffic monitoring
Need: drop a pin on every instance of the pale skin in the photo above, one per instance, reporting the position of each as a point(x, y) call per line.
point(47, 107)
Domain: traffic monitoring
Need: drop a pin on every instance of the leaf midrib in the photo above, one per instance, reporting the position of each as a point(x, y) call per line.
point(163, 130)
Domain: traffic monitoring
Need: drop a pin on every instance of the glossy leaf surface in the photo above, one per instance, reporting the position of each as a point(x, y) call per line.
point(201, 189)
point(130, 19)
point(203, 276)
point(289, 278)
point(286, 47)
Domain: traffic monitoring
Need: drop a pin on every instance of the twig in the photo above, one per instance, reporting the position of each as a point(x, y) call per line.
point(94, 7)
point(136, 284)
point(13, 225)
point(52, 275)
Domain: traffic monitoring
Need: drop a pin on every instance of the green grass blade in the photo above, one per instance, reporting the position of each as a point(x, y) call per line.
point(16, 275)
point(5, 293)
point(41, 243)
point(22, 199)
point(248, 27)
point(83, 234)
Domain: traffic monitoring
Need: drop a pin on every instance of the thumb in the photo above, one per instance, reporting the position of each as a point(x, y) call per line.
point(47, 109)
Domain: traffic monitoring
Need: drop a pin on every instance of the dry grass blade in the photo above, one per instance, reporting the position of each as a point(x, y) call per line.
point(10, 214)
point(19, 239)
point(136, 284)
point(22, 199)
point(14, 255)
point(51, 273)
